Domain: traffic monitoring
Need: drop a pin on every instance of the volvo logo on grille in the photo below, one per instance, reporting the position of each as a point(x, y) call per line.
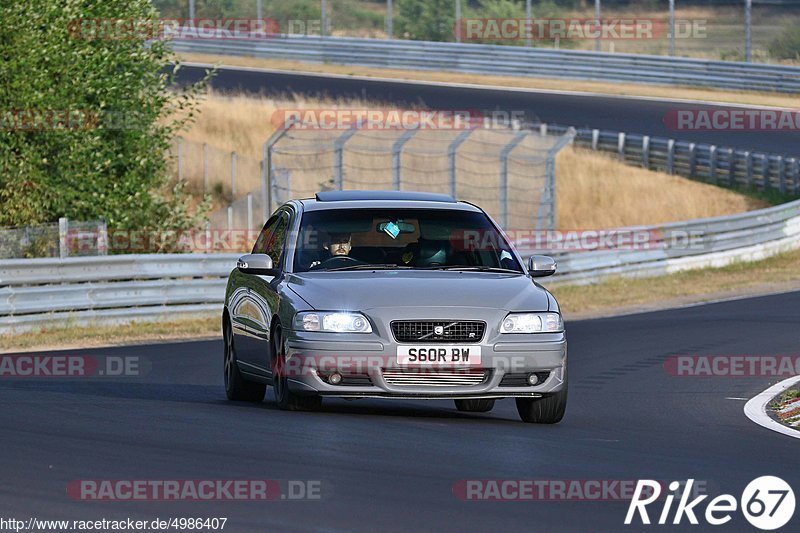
point(438, 330)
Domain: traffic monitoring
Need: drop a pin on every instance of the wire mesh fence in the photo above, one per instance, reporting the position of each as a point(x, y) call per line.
point(509, 172)
point(66, 238)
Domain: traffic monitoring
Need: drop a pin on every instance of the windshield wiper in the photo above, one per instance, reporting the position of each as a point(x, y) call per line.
point(368, 266)
point(476, 269)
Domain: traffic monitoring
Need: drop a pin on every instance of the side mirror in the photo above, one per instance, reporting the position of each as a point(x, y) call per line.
point(540, 266)
point(256, 264)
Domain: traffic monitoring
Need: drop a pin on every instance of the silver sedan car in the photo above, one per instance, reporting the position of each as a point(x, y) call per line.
point(379, 294)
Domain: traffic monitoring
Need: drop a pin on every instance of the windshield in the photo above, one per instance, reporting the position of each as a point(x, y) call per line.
point(353, 239)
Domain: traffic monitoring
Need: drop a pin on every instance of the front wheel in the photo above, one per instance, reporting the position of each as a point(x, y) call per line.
point(287, 400)
point(478, 405)
point(236, 387)
point(547, 410)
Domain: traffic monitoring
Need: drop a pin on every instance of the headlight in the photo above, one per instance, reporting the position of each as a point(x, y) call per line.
point(532, 323)
point(332, 321)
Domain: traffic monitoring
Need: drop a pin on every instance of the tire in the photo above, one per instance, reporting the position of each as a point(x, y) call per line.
point(478, 405)
point(287, 400)
point(546, 410)
point(236, 387)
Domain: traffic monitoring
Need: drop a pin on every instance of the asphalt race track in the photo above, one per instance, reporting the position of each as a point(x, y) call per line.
point(391, 465)
point(632, 115)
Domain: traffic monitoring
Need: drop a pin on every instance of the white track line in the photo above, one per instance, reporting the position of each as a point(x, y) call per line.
point(756, 408)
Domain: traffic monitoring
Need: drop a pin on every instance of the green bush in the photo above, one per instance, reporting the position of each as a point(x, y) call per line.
point(107, 160)
point(434, 20)
point(786, 45)
point(425, 20)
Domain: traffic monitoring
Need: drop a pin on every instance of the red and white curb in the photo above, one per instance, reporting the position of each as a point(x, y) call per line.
point(756, 408)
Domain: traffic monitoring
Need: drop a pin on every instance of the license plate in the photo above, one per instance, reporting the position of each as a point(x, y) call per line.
point(448, 354)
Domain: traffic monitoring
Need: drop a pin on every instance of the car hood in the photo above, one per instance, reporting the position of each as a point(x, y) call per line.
point(398, 288)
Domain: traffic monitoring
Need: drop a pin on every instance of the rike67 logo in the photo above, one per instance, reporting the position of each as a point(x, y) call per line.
point(767, 503)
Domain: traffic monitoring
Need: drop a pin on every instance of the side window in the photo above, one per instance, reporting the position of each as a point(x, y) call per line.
point(260, 247)
point(277, 240)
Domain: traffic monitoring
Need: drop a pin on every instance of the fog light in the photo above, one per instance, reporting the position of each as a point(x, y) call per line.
point(533, 379)
point(335, 378)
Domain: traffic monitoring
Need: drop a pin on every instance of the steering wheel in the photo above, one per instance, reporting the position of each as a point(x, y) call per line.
point(337, 261)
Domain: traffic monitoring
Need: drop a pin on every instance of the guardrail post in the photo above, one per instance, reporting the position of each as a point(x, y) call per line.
point(324, 19)
point(102, 238)
point(209, 244)
point(595, 139)
point(692, 159)
point(389, 22)
point(646, 151)
point(765, 171)
point(265, 195)
point(233, 175)
point(452, 150)
point(621, 145)
point(458, 21)
point(205, 167)
point(63, 240)
point(230, 217)
point(504, 153)
point(732, 167)
point(338, 145)
point(528, 17)
point(266, 165)
point(748, 25)
point(712, 162)
point(749, 162)
point(598, 21)
point(249, 213)
point(397, 149)
point(671, 156)
point(672, 27)
point(543, 129)
point(795, 175)
point(781, 175)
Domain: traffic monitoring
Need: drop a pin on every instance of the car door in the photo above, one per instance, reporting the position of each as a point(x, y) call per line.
point(262, 296)
point(249, 315)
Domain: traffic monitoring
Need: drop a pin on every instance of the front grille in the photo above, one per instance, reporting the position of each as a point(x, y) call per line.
point(425, 330)
point(521, 380)
point(435, 377)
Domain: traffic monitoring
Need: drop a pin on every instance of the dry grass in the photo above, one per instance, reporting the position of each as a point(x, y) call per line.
point(594, 190)
point(683, 287)
point(625, 89)
point(61, 338)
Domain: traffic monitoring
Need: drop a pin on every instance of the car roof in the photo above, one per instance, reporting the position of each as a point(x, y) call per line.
point(383, 200)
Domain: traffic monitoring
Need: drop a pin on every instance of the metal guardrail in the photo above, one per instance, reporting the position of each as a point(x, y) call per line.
point(36, 292)
point(719, 165)
point(80, 290)
point(507, 60)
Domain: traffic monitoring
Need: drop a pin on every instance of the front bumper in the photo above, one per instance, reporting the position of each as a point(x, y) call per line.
point(369, 368)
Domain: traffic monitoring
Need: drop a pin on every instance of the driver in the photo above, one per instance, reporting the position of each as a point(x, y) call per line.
point(339, 244)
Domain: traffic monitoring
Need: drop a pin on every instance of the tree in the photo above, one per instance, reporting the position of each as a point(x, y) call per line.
point(84, 107)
